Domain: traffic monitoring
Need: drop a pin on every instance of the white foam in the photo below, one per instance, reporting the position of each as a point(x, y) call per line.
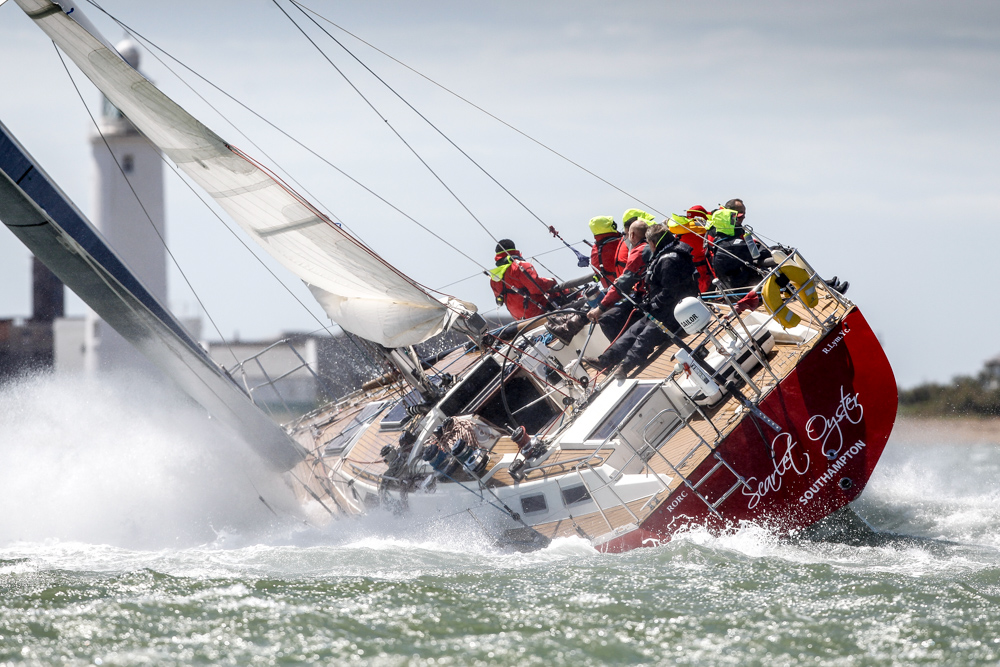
point(126, 462)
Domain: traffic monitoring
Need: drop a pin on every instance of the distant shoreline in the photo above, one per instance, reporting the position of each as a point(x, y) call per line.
point(945, 429)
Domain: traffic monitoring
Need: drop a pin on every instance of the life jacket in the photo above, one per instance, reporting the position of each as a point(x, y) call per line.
point(723, 221)
point(690, 232)
point(604, 256)
point(516, 285)
point(679, 225)
point(621, 258)
point(723, 227)
point(669, 278)
point(732, 262)
point(630, 282)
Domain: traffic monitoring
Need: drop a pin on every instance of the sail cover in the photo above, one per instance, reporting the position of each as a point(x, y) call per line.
point(357, 289)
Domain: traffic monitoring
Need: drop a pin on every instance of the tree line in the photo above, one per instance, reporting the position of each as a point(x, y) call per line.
point(966, 395)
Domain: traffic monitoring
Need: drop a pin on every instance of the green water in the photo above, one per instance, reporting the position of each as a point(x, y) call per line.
point(185, 566)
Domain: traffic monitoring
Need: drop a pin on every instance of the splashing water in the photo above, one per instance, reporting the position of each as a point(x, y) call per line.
point(124, 462)
point(131, 533)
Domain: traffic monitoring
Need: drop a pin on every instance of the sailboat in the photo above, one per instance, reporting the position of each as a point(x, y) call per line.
point(776, 415)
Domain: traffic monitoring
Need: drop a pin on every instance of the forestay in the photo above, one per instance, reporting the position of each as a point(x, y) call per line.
point(356, 288)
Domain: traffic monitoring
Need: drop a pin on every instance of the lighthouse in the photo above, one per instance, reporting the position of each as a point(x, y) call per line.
point(129, 211)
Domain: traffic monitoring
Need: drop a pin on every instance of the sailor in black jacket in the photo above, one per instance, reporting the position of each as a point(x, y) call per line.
point(670, 276)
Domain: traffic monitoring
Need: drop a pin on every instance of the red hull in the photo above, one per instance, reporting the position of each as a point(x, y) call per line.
point(836, 408)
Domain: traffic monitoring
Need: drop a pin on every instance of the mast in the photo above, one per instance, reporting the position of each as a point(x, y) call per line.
point(48, 223)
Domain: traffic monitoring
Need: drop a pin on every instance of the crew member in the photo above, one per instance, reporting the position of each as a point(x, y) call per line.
point(615, 313)
point(734, 261)
point(516, 284)
point(604, 252)
point(670, 277)
point(625, 248)
point(690, 229)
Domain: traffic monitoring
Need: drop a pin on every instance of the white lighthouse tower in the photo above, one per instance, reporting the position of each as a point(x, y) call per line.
point(129, 211)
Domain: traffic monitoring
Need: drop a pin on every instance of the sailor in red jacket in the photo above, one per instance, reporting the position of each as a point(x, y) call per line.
point(615, 312)
point(625, 247)
point(604, 252)
point(516, 284)
point(691, 229)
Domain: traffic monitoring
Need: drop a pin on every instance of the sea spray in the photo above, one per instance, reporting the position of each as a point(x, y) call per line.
point(937, 489)
point(124, 461)
point(386, 589)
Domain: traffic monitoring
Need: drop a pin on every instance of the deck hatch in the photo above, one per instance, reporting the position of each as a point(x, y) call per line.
point(534, 503)
point(340, 441)
point(396, 416)
point(575, 494)
point(628, 402)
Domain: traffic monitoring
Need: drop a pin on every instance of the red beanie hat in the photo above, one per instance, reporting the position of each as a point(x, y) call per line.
point(697, 211)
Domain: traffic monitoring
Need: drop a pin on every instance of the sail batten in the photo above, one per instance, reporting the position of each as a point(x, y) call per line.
point(356, 288)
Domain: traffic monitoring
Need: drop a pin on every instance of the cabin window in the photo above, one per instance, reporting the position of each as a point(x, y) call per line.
point(128, 164)
point(635, 396)
point(534, 503)
point(575, 494)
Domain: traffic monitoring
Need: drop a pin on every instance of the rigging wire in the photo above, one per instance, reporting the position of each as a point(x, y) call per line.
point(301, 6)
point(582, 260)
point(288, 136)
point(138, 200)
point(198, 298)
point(361, 352)
point(224, 117)
point(171, 255)
point(551, 229)
point(479, 108)
point(242, 242)
point(365, 358)
point(542, 264)
point(386, 121)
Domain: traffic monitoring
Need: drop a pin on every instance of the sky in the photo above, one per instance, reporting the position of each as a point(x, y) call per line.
point(865, 134)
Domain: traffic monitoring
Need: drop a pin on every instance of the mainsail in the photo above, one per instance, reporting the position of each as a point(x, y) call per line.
point(357, 289)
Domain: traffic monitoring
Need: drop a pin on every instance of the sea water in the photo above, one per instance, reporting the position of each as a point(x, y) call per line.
point(133, 532)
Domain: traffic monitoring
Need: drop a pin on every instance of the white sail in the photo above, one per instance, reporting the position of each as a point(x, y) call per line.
point(356, 288)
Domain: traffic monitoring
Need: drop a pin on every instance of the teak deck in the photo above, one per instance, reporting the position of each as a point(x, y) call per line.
point(724, 416)
point(682, 453)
